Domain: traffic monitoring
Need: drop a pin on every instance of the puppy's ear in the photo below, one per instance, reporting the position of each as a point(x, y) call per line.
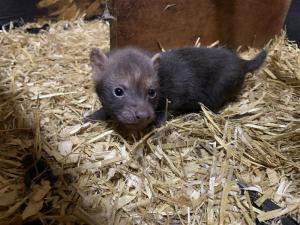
point(156, 61)
point(98, 61)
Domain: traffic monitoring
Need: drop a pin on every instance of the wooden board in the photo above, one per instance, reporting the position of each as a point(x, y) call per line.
point(178, 23)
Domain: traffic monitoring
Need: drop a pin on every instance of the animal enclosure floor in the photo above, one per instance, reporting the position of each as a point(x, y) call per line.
point(186, 172)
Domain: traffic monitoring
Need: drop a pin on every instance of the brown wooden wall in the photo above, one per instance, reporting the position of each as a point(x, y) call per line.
point(177, 23)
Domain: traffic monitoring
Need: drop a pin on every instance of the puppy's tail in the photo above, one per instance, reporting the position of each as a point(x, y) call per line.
point(254, 64)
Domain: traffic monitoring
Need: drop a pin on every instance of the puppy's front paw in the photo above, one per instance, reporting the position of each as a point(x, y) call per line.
point(160, 119)
point(99, 115)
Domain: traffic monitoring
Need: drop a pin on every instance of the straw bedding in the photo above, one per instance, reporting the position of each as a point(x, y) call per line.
point(185, 172)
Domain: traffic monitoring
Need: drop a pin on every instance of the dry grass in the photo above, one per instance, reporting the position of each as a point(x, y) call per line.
point(183, 173)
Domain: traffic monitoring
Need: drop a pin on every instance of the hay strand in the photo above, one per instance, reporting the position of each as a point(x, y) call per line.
point(182, 173)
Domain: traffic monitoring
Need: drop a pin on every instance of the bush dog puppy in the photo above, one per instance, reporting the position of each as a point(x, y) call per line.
point(134, 86)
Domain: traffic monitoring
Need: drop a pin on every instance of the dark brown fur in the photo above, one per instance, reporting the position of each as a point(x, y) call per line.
point(186, 77)
point(133, 72)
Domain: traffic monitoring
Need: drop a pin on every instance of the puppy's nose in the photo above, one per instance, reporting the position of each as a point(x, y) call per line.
point(142, 115)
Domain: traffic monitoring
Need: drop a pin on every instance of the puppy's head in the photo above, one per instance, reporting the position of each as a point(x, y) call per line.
point(127, 84)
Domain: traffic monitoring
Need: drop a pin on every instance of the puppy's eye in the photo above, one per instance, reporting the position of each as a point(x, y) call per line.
point(118, 92)
point(152, 93)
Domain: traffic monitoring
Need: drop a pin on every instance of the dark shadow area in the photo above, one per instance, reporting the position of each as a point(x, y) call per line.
point(292, 22)
point(15, 10)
